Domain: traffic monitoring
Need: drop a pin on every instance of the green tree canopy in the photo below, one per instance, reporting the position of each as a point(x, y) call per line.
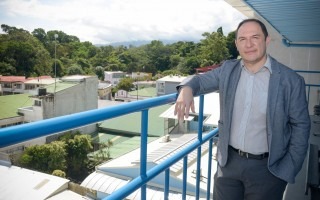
point(213, 48)
point(45, 158)
point(125, 84)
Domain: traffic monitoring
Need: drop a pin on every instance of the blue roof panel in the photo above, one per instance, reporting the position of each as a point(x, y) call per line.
point(296, 20)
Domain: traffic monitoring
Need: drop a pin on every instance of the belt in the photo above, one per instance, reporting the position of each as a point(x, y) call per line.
point(249, 155)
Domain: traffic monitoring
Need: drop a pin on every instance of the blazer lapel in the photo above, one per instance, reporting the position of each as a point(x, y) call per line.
point(274, 83)
point(230, 88)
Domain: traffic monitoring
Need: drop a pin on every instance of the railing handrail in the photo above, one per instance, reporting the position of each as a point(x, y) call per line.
point(16, 134)
point(305, 71)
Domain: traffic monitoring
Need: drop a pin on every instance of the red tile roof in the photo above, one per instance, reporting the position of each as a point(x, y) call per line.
point(207, 68)
point(11, 79)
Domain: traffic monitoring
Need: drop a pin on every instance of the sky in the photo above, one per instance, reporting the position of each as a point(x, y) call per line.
point(109, 21)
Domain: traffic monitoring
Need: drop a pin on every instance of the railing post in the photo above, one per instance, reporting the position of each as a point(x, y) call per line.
point(167, 184)
point(185, 171)
point(200, 124)
point(209, 169)
point(143, 151)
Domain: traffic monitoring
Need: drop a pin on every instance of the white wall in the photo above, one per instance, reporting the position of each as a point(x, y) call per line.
point(297, 58)
point(81, 97)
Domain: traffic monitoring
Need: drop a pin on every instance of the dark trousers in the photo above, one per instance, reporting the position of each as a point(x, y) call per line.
point(248, 179)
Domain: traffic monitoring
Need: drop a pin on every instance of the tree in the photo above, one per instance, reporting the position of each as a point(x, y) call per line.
point(41, 35)
point(74, 70)
point(59, 173)
point(213, 48)
point(99, 72)
point(57, 67)
point(77, 149)
point(24, 52)
point(45, 158)
point(159, 55)
point(6, 69)
point(125, 84)
point(231, 45)
point(102, 155)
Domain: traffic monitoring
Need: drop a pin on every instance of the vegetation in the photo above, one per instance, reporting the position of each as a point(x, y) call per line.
point(66, 157)
point(40, 53)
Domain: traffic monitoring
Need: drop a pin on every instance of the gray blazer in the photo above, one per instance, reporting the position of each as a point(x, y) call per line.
point(288, 120)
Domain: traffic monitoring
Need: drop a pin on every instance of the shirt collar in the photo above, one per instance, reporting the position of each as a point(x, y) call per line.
point(267, 64)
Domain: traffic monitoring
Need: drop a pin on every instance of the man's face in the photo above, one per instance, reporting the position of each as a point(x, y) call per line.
point(251, 43)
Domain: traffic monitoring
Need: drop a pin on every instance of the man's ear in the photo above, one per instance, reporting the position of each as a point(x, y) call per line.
point(268, 39)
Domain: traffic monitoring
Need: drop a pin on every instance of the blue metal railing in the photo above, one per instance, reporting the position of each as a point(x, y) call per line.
point(24, 132)
point(309, 85)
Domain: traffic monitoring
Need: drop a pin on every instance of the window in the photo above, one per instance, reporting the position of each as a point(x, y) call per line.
point(37, 103)
point(161, 87)
point(18, 86)
point(30, 87)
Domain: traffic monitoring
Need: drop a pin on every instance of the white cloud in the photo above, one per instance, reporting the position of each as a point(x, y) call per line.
point(103, 21)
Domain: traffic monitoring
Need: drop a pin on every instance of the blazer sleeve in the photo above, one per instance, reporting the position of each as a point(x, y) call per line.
point(299, 122)
point(203, 83)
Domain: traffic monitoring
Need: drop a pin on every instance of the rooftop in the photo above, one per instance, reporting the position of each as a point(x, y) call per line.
point(20, 183)
point(130, 123)
point(172, 78)
point(59, 86)
point(11, 103)
point(146, 92)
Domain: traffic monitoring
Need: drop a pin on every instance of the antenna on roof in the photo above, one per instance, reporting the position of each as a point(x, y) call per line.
point(55, 61)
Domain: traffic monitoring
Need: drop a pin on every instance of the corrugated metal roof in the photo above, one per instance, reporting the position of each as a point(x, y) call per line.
point(296, 20)
point(123, 169)
point(20, 183)
point(107, 184)
point(172, 148)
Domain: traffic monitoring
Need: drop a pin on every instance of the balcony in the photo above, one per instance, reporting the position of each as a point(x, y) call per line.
point(165, 164)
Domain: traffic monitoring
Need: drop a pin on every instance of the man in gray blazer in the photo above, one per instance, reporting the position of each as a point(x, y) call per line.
point(264, 123)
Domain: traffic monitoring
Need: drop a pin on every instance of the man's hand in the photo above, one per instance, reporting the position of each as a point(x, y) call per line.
point(184, 103)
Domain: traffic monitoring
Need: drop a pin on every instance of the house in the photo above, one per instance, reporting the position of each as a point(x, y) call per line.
point(105, 91)
point(32, 86)
point(113, 77)
point(21, 84)
point(168, 84)
point(141, 75)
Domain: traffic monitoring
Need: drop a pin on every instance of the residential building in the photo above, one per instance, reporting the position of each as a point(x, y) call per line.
point(32, 86)
point(105, 91)
point(168, 84)
point(21, 84)
point(113, 77)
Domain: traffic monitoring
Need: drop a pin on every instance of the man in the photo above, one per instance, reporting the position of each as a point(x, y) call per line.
point(264, 123)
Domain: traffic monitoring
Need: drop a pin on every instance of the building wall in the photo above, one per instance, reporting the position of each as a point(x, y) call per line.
point(114, 77)
point(81, 97)
point(297, 58)
point(170, 87)
point(32, 113)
